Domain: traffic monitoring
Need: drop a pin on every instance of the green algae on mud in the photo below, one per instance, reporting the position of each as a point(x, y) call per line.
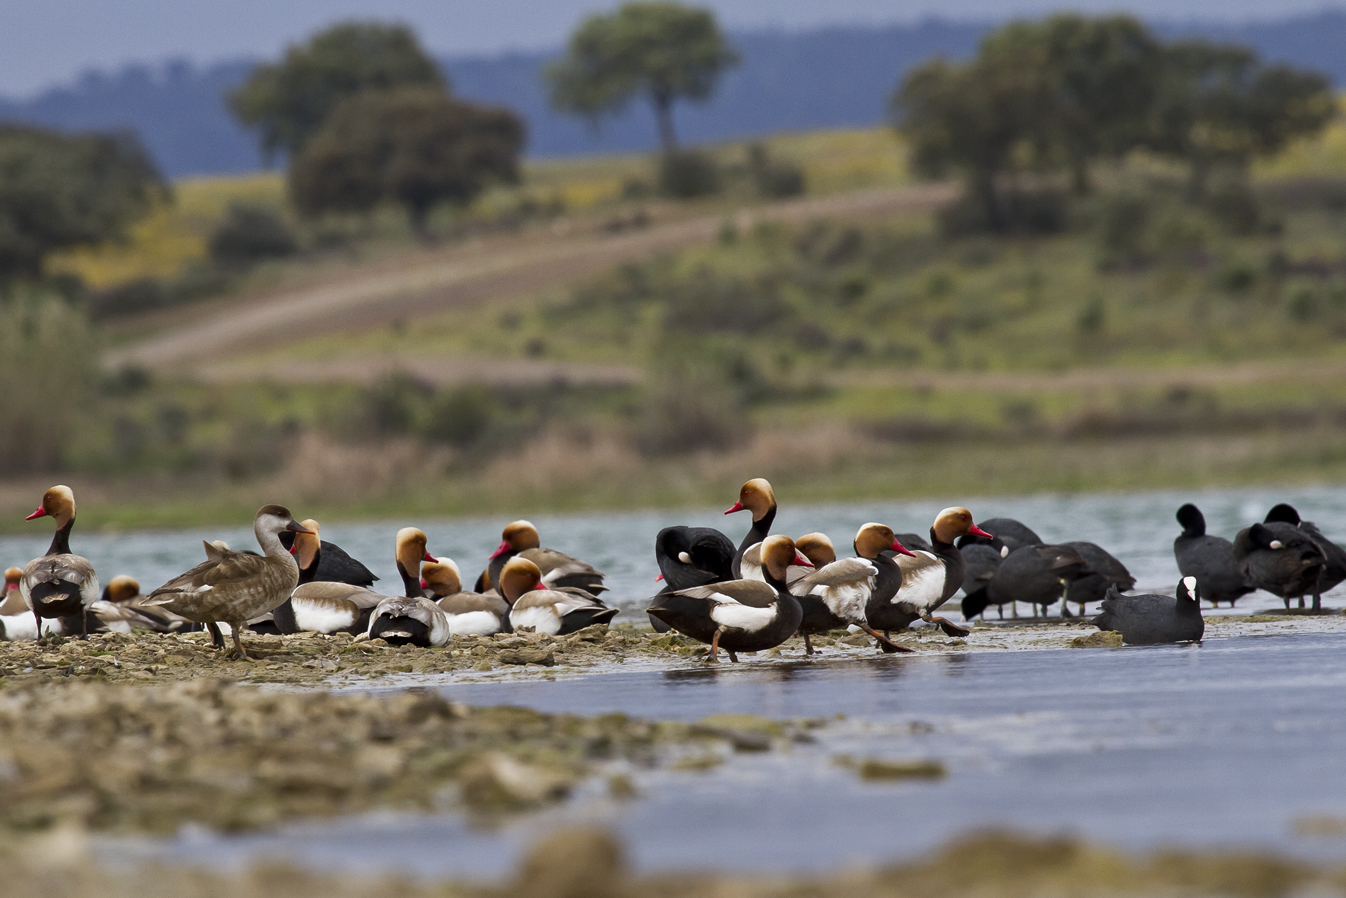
point(150, 758)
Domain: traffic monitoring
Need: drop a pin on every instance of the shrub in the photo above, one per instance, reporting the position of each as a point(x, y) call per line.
point(1234, 205)
point(48, 368)
point(460, 417)
point(251, 234)
point(773, 179)
point(711, 303)
point(1122, 224)
point(688, 174)
point(688, 410)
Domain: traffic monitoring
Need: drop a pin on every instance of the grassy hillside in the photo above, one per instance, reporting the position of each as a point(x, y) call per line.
point(1139, 340)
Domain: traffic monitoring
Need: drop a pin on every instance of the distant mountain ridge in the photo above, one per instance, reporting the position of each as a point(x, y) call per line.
point(789, 81)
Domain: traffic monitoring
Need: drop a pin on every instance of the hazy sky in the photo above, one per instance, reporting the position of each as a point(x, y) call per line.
point(47, 41)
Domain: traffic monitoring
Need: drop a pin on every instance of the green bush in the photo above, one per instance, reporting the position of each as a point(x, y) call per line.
point(773, 179)
point(461, 416)
point(688, 410)
point(251, 234)
point(687, 174)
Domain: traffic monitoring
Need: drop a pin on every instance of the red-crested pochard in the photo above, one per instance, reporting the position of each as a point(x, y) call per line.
point(59, 584)
point(555, 611)
point(470, 613)
point(235, 587)
point(929, 579)
point(739, 615)
point(13, 602)
point(758, 497)
point(838, 592)
point(520, 539)
point(410, 620)
point(411, 551)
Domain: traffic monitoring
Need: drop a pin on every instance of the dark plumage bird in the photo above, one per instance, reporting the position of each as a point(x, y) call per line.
point(1282, 559)
point(980, 563)
point(915, 542)
point(1210, 559)
point(1104, 571)
point(332, 564)
point(1334, 566)
point(929, 578)
point(1010, 536)
point(693, 556)
point(1153, 620)
point(739, 615)
point(1037, 575)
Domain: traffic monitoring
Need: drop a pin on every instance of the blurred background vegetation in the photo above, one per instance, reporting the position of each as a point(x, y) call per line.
point(1135, 278)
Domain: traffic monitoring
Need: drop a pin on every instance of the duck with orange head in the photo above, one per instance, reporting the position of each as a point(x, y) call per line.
point(739, 615)
point(60, 584)
point(929, 578)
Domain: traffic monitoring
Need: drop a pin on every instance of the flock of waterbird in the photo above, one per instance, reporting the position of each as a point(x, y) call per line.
point(745, 598)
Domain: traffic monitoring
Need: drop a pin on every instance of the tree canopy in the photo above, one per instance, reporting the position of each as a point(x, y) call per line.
point(661, 51)
point(413, 146)
point(1067, 91)
point(60, 191)
point(288, 101)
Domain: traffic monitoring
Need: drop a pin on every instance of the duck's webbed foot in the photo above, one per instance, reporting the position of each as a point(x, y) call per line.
point(887, 645)
point(713, 656)
point(808, 646)
point(948, 626)
point(216, 637)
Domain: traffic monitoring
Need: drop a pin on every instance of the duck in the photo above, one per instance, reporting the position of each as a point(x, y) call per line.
point(739, 615)
point(1334, 566)
point(816, 547)
point(1010, 536)
point(836, 593)
point(520, 538)
point(980, 562)
point(1210, 559)
point(1154, 619)
point(410, 620)
point(410, 550)
point(122, 610)
point(1104, 571)
point(1282, 559)
point(758, 497)
point(330, 563)
point(13, 601)
point(555, 611)
point(929, 578)
point(234, 587)
point(60, 584)
point(691, 556)
point(1038, 575)
point(470, 613)
point(335, 606)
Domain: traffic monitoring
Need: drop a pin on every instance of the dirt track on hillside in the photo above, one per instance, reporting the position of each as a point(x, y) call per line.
point(464, 275)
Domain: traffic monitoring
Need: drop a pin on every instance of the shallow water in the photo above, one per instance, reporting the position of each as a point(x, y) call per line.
point(1138, 528)
point(1225, 744)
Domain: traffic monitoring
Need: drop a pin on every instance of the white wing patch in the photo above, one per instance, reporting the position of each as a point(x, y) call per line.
point(924, 588)
point(847, 601)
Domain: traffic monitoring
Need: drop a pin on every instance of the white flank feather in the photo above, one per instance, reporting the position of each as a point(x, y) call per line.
point(538, 619)
point(474, 623)
point(742, 617)
point(848, 600)
point(321, 618)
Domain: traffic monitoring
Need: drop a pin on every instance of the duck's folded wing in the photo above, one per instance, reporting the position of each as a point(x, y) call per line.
point(469, 602)
point(845, 572)
point(554, 564)
point(575, 599)
point(750, 565)
point(753, 593)
point(332, 591)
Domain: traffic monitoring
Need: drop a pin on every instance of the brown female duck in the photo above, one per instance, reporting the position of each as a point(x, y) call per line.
point(235, 587)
